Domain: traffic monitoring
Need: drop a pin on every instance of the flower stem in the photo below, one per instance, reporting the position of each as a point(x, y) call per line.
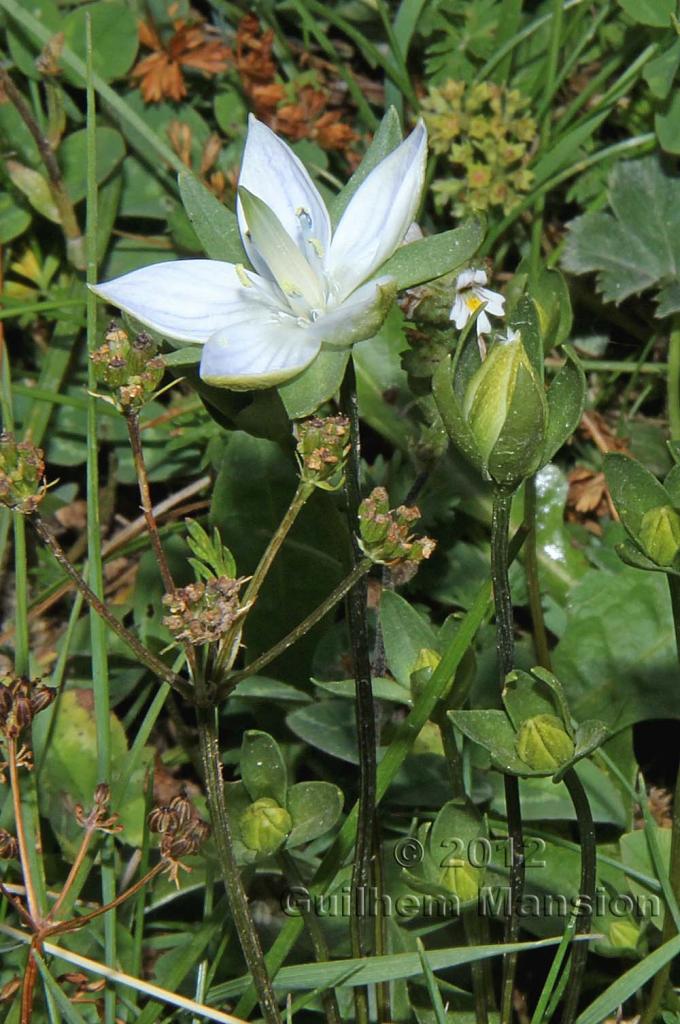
point(586, 830)
point(134, 433)
point(316, 935)
point(541, 648)
point(505, 646)
point(153, 663)
point(231, 876)
point(336, 595)
point(300, 497)
point(673, 380)
point(360, 932)
point(15, 786)
point(661, 979)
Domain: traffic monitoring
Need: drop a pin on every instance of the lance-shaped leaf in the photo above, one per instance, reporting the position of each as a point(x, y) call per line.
point(634, 490)
point(566, 398)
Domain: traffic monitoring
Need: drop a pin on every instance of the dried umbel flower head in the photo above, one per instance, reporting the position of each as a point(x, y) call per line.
point(322, 449)
point(22, 474)
point(98, 819)
point(21, 699)
point(131, 369)
point(203, 612)
point(182, 833)
point(385, 534)
point(9, 847)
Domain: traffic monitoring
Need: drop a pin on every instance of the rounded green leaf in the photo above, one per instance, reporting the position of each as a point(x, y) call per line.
point(314, 808)
point(263, 769)
point(110, 150)
point(23, 47)
point(115, 38)
point(14, 219)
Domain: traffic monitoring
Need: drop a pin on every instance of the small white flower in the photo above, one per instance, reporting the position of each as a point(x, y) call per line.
point(471, 293)
point(310, 286)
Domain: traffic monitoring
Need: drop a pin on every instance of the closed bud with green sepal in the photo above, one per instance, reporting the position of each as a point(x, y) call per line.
point(265, 825)
point(543, 744)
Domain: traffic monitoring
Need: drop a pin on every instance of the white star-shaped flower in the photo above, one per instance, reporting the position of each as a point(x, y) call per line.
point(471, 293)
point(310, 286)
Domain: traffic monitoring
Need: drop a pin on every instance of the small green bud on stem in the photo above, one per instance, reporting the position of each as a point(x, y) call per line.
point(543, 744)
point(659, 534)
point(265, 825)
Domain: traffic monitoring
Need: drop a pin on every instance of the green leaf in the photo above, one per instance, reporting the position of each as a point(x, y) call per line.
point(71, 772)
point(635, 854)
point(550, 295)
point(667, 124)
point(328, 726)
point(630, 983)
point(616, 657)
point(387, 137)
point(405, 634)
point(315, 808)
point(181, 357)
point(631, 554)
point(435, 256)
point(115, 39)
point(634, 490)
point(36, 189)
point(263, 769)
point(659, 73)
point(452, 414)
point(383, 689)
point(650, 12)
point(215, 225)
point(493, 731)
point(315, 385)
point(73, 159)
point(637, 245)
point(14, 219)
point(526, 695)
point(22, 45)
point(566, 397)
point(588, 737)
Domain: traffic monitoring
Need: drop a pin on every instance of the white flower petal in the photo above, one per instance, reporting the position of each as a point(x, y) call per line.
point(378, 215)
point(359, 317)
point(471, 277)
point(483, 324)
point(293, 274)
point(495, 302)
point(272, 172)
point(460, 314)
point(187, 300)
point(258, 355)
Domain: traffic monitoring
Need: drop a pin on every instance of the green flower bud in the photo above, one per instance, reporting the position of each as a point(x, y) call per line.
point(425, 664)
point(506, 410)
point(385, 534)
point(624, 934)
point(659, 534)
point(130, 369)
point(265, 825)
point(543, 744)
point(461, 879)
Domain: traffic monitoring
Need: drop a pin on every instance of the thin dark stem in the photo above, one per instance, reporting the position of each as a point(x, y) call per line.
point(153, 663)
point(75, 242)
point(231, 876)
point(541, 647)
point(303, 627)
point(586, 831)
point(669, 930)
point(505, 646)
point(134, 433)
point(316, 935)
point(360, 932)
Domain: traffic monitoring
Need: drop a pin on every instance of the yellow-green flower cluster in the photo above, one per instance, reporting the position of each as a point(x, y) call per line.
point(487, 136)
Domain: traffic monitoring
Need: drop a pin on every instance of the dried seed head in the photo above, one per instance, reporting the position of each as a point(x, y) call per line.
point(204, 612)
point(322, 450)
point(385, 535)
point(182, 810)
point(21, 699)
point(132, 370)
point(22, 474)
point(9, 847)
